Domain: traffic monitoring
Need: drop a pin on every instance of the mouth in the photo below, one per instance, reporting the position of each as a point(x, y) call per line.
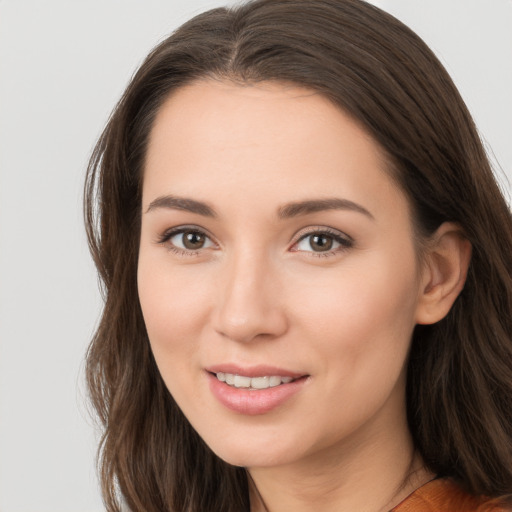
point(254, 390)
point(252, 383)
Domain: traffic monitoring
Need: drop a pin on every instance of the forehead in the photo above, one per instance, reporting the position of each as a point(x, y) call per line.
point(235, 114)
point(275, 140)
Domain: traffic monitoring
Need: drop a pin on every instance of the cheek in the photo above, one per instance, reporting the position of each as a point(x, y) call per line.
point(359, 336)
point(364, 316)
point(174, 306)
point(363, 296)
point(174, 314)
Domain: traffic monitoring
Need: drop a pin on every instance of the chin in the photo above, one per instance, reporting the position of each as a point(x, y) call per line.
point(246, 459)
point(248, 454)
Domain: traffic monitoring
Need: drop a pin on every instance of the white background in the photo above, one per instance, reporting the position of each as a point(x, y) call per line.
point(63, 65)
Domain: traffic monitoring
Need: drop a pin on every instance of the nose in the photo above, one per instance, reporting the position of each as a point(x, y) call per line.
point(250, 304)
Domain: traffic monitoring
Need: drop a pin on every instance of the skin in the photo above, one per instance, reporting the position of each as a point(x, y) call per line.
point(258, 292)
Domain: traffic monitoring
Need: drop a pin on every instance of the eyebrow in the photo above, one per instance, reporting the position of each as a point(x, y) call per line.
point(286, 211)
point(182, 203)
point(318, 205)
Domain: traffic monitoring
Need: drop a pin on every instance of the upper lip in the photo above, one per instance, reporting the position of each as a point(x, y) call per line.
point(253, 371)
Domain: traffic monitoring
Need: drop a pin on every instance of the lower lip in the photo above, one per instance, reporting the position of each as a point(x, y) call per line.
point(253, 401)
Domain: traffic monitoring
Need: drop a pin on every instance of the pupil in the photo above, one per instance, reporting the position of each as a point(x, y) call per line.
point(193, 240)
point(321, 242)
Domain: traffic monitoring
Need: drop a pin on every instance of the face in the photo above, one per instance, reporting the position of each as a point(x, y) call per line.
point(277, 272)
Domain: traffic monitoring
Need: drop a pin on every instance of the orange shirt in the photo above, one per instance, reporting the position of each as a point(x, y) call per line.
point(444, 495)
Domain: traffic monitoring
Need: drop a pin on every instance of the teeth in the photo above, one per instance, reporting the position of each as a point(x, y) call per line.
point(239, 381)
point(242, 382)
point(261, 382)
point(274, 381)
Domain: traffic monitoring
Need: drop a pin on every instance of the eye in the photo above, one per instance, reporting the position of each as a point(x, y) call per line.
point(324, 241)
point(190, 240)
point(186, 240)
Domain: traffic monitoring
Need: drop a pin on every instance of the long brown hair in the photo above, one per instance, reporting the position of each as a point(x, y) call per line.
point(459, 389)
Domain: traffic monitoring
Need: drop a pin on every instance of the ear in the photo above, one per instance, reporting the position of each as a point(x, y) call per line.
point(444, 273)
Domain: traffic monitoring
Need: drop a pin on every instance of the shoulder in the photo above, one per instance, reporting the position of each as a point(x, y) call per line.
point(444, 495)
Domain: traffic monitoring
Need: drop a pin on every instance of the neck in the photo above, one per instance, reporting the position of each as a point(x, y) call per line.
point(370, 477)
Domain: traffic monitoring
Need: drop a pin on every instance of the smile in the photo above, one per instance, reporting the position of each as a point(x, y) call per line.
point(255, 383)
point(257, 393)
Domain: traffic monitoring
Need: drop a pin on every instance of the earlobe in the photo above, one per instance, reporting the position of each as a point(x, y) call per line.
point(444, 274)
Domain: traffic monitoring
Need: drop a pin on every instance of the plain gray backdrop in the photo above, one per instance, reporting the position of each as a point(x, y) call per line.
point(63, 65)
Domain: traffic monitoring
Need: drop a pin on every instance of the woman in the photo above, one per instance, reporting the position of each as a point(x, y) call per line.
point(307, 275)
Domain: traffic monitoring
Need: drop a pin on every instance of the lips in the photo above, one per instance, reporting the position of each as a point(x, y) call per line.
point(253, 371)
point(255, 390)
point(241, 381)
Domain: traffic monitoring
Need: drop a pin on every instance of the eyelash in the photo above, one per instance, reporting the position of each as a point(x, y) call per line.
point(170, 233)
point(345, 242)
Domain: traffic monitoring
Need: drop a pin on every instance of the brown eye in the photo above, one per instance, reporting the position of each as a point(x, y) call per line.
point(186, 240)
point(193, 240)
point(321, 242)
